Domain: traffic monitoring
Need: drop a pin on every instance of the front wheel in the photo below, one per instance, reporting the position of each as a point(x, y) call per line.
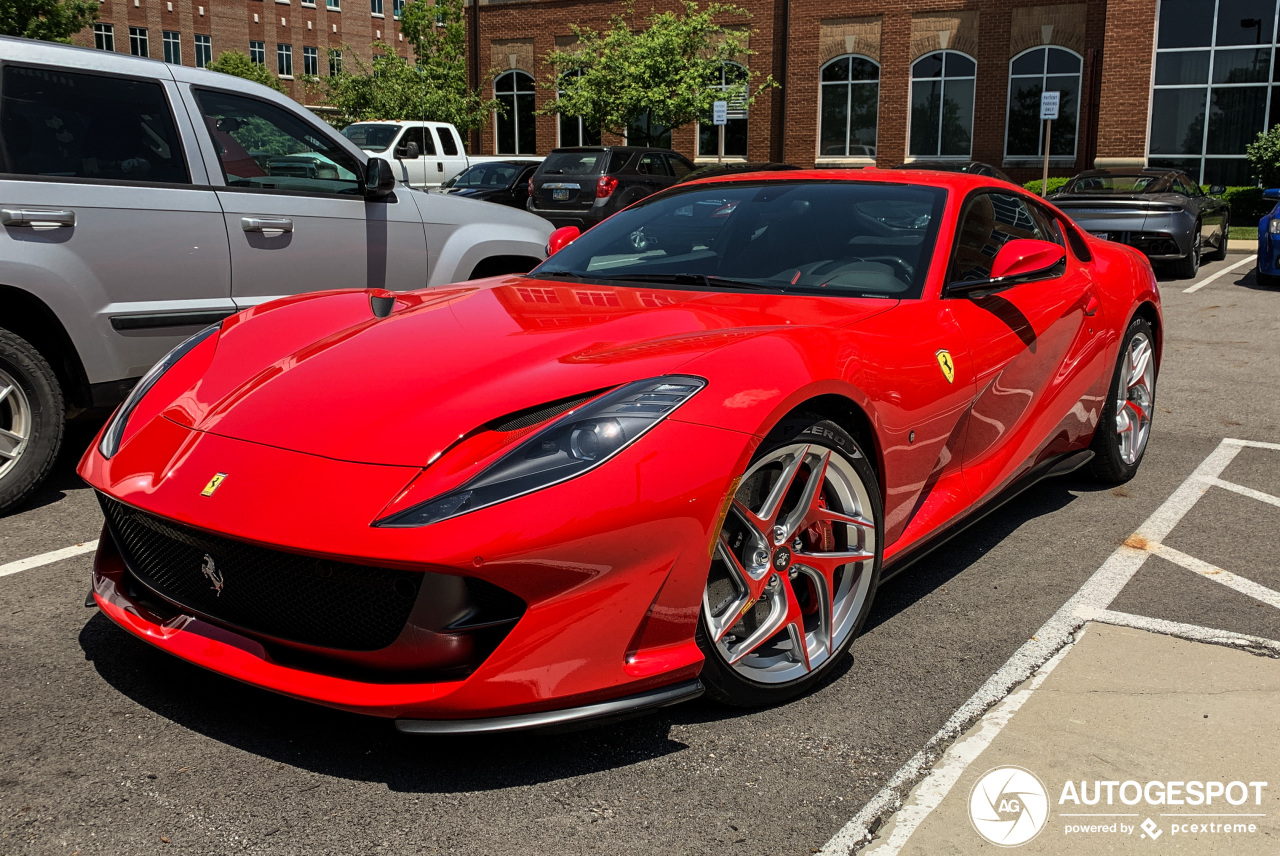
point(1121, 437)
point(795, 566)
point(1220, 252)
point(31, 419)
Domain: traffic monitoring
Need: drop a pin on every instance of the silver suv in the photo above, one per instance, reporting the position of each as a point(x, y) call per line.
point(141, 201)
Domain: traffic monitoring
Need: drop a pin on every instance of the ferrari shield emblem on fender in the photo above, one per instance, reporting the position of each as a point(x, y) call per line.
point(213, 484)
point(948, 367)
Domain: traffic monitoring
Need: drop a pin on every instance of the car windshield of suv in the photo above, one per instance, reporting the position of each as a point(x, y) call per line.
point(818, 237)
point(1116, 184)
point(487, 175)
point(572, 163)
point(371, 138)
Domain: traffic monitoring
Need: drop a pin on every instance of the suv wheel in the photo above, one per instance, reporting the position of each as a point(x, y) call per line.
point(31, 419)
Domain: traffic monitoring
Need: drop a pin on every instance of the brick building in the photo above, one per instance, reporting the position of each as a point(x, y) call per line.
point(1183, 83)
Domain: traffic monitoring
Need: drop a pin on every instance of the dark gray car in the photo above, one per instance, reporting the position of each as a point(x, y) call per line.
point(1161, 212)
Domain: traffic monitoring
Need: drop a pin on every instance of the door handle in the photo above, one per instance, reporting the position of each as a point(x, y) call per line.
point(36, 217)
point(266, 224)
point(439, 166)
point(1091, 305)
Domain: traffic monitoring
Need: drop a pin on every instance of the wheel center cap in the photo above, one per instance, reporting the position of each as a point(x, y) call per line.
point(781, 559)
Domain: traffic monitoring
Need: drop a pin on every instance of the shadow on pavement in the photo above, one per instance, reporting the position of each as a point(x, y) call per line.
point(62, 477)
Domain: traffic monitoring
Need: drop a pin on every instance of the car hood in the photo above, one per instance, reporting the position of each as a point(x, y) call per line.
point(321, 374)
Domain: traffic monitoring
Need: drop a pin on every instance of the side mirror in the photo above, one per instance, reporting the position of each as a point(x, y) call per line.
point(561, 238)
point(1021, 258)
point(407, 151)
point(1273, 193)
point(379, 180)
point(1217, 189)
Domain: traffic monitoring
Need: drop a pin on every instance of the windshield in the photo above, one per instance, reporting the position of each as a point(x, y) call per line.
point(828, 237)
point(1121, 184)
point(487, 175)
point(371, 138)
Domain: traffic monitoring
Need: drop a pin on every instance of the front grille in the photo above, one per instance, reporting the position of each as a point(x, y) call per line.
point(282, 595)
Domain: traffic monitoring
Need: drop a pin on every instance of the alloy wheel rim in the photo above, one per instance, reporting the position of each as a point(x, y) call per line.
point(15, 422)
point(792, 566)
point(1134, 398)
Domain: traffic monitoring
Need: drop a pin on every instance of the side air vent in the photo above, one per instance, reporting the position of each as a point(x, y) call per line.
point(534, 415)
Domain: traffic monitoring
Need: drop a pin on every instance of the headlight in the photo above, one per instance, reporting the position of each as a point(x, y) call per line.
point(1274, 226)
point(577, 442)
point(115, 428)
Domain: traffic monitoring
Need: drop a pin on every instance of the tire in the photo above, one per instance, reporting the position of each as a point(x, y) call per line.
point(1220, 252)
point(31, 419)
point(1121, 437)
point(1266, 280)
point(750, 643)
point(1189, 265)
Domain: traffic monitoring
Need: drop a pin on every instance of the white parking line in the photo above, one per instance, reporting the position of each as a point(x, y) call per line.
point(1090, 600)
point(1212, 572)
point(47, 558)
point(1194, 632)
point(1208, 279)
point(1247, 491)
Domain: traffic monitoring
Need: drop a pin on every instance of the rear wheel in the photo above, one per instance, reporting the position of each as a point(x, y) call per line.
point(795, 567)
point(31, 419)
point(1189, 265)
point(1121, 437)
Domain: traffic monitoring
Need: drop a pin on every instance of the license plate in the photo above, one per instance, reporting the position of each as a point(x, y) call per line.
point(560, 194)
point(1106, 236)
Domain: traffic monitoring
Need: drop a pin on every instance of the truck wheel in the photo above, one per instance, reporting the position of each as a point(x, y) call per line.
point(31, 419)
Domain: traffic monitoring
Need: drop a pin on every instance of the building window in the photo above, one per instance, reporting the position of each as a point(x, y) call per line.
point(138, 41)
point(311, 62)
point(284, 60)
point(335, 62)
point(1047, 69)
point(942, 105)
point(850, 89)
point(643, 131)
point(397, 6)
point(375, 6)
point(516, 127)
point(333, 5)
point(1217, 85)
point(172, 47)
point(104, 37)
point(258, 52)
point(730, 84)
point(573, 130)
point(204, 50)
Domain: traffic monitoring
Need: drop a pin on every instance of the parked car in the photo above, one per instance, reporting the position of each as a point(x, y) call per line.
point(971, 167)
point(717, 170)
point(505, 182)
point(582, 186)
point(620, 480)
point(1161, 212)
point(1269, 242)
point(141, 201)
point(429, 154)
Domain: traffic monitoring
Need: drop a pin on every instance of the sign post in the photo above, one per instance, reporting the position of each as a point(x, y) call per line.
point(720, 118)
point(1049, 102)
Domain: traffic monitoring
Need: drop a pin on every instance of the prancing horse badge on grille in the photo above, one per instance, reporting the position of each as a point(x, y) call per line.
point(210, 569)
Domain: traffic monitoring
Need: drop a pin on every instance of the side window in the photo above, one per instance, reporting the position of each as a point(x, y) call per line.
point(422, 136)
point(679, 166)
point(448, 146)
point(60, 123)
point(1049, 226)
point(262, 145)
point(652, 163)
point(988, 221)
point(617, 162)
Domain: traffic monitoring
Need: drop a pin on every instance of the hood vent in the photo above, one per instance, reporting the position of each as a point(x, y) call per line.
point(531, 416)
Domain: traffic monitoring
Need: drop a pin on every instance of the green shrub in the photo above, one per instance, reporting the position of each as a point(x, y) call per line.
point(1054, 185)
point(1247, 204)
point(1264, 157)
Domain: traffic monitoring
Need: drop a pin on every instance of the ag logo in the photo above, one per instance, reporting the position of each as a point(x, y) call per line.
point(210, 569)
point(948, 367)
point(1008, 806)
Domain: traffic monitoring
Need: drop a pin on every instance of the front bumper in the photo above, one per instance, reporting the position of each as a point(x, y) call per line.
point(611, 566)
point(1268, 250)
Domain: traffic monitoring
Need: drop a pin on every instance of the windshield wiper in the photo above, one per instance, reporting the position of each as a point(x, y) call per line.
point(692, 279)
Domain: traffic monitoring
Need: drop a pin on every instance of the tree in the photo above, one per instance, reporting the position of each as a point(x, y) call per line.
point(1264, 157)
point(49, 20)
point(661, 74)
point(431, 88)
point(240, 65)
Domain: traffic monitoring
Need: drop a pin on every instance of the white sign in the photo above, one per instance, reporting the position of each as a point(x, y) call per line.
point(720, 112)
point(1049, 105)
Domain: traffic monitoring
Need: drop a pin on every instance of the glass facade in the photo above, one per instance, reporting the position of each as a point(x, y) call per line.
point(850, 106)
point(942, 89)
point(1217, 85)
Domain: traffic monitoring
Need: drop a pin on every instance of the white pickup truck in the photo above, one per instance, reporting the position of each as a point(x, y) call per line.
point(435, 156)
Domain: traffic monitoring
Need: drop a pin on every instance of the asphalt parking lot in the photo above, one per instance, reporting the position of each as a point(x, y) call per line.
point(112, 747)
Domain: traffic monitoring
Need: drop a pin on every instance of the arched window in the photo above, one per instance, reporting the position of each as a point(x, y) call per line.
point(942, 105)
point(729, 83)
point(1031, 73)
point(850, 90)
point(516, 127)
point(573, 131)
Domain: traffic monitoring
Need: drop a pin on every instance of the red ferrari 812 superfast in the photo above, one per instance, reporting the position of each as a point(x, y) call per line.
point(678, 456)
